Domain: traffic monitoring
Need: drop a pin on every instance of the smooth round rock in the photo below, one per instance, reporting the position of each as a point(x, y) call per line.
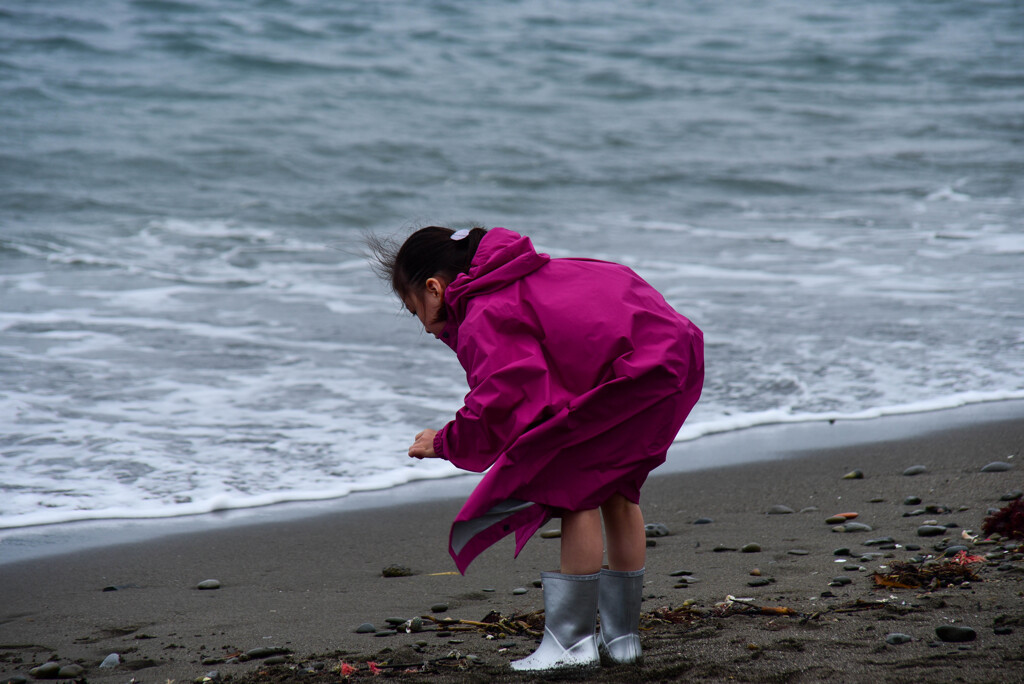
point(842, 551)
point(930, 530)
point(854, 475)
point(703, 521)
point(840, 581)
point(955, 549)
point(365, 628)
point(955, 633)
point(798, 552)
point(896, 638)
point(1003, 631)
point(72, 671)
point(881, 541)
point(1012, 496)
point(996, 467)
point(395, 621)
point(912, 501)
point(679, 573)
point(835, 520)
point(721, 548)
point(112, 660)
point(852, 527)
point(208, 585)
point(439, 608)
point(762, 582)
point(45, 671)
point(519, 591)
point(780, 510)
point(655, 530)
point(385, 633)
point(915, 470)
point(751, 548)
point(276, 660)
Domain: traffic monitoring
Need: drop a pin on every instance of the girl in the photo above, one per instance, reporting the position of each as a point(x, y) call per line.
point(580, 376)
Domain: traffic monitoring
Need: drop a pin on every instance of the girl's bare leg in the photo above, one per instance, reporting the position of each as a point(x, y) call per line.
point(624, 528)
point(582, 543)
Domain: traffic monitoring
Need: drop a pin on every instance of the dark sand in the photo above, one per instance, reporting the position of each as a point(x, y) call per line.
point(305, 585)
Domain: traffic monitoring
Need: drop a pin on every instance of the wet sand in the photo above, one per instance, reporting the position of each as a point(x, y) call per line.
point(303, 586)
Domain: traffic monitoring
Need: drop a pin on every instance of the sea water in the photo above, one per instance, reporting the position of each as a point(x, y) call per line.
point(832, 191)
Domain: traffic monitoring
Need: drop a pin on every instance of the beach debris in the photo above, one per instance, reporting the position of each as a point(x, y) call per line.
point(656, 530)
point(897, 638)
point(955, 633)
point(396, 571)
point(780, 510)
point(996, 467)
point(112, 660)
point(854, 475)
point(915, 470)
point(531, 624)
point(733, 605)
point(1008, 521)
point(953, 571)
point(209, 584)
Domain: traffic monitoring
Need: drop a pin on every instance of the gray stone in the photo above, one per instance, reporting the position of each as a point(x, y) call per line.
point(385, 633)
point(761, 582)
point(881, 541)
point(722, 548)
point(809, 509)
point(915, 470)
point(45, 671)
point(365, 628)
point(395, 621)
point(955, 549)
point(896, 638)
point(835, 520)
point(955, 633)
point(1012, 496)
point(912, 501)
point(852, 527)
point(840, 581)
point(996, 467)
point(1003, 631)
point(751, 548)
point(72, 671)
point(519, 591)
point(439, 608)
point(703, 521)
point(265, 652)
point(276, 660)
point(208, 584)
point(930, 530)
point(112, 660)
point(780, 510)
point(798, 552)
point(655, 530)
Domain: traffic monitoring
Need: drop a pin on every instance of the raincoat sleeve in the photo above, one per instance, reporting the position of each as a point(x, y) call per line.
point(509, 391)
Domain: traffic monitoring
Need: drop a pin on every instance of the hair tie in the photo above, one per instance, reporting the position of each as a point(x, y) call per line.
point(460, 234)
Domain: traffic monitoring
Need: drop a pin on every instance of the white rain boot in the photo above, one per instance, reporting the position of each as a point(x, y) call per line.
point(619, 605)
point(570, 615)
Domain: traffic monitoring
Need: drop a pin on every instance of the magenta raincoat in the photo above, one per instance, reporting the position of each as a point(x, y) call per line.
point(580, 376)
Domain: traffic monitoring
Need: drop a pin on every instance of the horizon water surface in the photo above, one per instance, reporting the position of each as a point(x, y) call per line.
point(834, 194)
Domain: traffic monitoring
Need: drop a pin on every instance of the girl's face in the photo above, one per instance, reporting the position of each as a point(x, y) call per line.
point(427, 306)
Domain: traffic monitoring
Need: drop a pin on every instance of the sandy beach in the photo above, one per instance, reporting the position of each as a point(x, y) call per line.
point(299, 589)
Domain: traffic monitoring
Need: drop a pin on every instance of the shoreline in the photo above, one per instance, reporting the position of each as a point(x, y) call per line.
point(301, 587)
point(716, 450)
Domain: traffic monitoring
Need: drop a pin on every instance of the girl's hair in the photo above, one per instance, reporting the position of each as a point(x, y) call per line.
point(428, 253)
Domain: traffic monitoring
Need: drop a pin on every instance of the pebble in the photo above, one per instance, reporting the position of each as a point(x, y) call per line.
point(45, 671)
point(912, 501)
point(15, 680)
point(703, 521)
point(780, 510)
point(365, 628)
point(880, 541)
point(938, 509)
point(1003, 631)
point(912, 547)
point(842, 551)
point(852, 527)
point(519, 591)
point(551, 534)
point(854, 475)
point(751, 548)
point(265, 652)
point(679, 573)
point(809, 509)
point(853, 567)
point(798, 552)
point(438, 608)
point(840, 581)
point(915, 470)
point(1012, 496)
point(896, 638)
point(208, 584)
point(385, 633)
point(395, 621)
point(762, 582)
point(930, 530)
point(112, 660)
point(396, 571)
point(489, 590)
point(656, 530)
point(538, 584)
point(72, 671)
point(651, 543)
point(756, 572)
point(835, 520)
point(955, 633)
point(996, 467)
point(721, 548)
point(915, 512)
point(276, 660)
point(953, 550)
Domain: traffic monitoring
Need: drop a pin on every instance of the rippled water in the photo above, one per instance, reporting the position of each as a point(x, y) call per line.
point(833, 192)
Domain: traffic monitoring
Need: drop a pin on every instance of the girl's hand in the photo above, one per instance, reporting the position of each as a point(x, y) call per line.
point(423, 447)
